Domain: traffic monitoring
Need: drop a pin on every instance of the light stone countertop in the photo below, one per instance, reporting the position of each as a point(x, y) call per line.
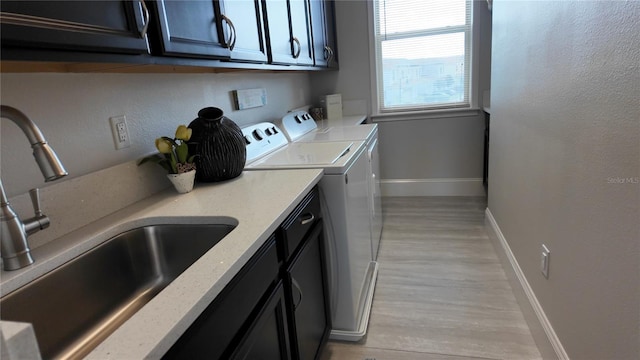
point(258, 201)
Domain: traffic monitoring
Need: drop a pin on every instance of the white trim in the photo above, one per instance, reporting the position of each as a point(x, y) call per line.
point(474, 58)
point(425, 114)
point(551, 336)
point(432, 187)
point(373, 64)
point(361, 331)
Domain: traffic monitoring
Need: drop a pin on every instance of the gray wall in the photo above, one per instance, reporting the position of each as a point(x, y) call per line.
point(73, 111)
point(565, 163)
point(413, 151)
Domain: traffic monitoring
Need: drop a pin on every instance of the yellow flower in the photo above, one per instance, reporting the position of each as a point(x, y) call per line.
point(183, 133)
point(164, 145)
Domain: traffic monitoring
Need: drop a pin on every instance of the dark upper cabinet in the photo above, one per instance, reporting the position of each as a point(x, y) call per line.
point(243, 20)
point(173, 32)
point(94, 26)
point(323, 31)
point(289, 31)
point(191, 28)
point(224, 29)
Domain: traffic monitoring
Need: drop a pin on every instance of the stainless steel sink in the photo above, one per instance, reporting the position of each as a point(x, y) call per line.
point(76, 306)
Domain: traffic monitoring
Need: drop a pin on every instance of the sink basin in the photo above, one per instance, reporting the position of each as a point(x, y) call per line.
point(76, 306)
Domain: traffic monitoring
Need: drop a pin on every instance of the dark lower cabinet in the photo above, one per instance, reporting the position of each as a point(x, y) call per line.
point(267, 337)
point(277, 306)
point(308, 299)
point(219, 329)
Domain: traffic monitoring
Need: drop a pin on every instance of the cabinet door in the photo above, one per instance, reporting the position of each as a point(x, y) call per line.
point(97, 26)
point(288, 29)
point(192, 28)
point(243, 20)
point(218, 329)
point(267, 337)
point(301, 31)
point(323, 30)
point(308, 302)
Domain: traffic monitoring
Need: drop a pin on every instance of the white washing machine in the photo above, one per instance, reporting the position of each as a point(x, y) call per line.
point(299, 126)
point(344, 198)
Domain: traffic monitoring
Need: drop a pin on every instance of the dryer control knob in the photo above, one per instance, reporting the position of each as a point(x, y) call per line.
point(258, 134)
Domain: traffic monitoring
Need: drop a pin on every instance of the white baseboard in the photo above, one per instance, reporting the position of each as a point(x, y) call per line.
point(432, 187)
point(545, 337)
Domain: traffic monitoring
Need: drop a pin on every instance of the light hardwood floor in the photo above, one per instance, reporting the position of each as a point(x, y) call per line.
point(441, 291)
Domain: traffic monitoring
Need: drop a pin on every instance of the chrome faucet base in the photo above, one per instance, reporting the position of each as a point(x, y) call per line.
point(18, 262)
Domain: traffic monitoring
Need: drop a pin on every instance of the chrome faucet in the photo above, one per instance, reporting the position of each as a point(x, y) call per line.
point(15, 248)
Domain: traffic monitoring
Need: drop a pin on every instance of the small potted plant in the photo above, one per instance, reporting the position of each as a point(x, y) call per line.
point(174, 157)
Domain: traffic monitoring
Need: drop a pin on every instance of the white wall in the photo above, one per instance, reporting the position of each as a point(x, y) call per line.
point(417, 156)
point(565, 163)
point(73, 111)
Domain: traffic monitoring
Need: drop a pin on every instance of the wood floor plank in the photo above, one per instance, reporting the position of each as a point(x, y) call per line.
point(441, 291)
point(347, 351)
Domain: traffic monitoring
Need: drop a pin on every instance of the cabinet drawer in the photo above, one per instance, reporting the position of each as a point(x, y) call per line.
point(223, 322)
point(298, 224)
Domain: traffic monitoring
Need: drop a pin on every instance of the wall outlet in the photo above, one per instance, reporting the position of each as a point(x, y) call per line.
point(120, 132)
point(544, 261)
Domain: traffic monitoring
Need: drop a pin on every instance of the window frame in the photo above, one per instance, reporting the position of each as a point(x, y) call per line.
point(444, 110)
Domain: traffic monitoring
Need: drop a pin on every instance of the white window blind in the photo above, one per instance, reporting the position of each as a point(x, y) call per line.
point(423, 54)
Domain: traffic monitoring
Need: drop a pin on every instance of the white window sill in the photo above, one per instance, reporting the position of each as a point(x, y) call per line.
point(424, 115)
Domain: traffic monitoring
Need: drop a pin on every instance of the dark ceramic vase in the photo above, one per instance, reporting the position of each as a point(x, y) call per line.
point(219, 144)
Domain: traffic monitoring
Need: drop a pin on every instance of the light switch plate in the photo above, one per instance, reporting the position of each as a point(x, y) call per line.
point(250, 98)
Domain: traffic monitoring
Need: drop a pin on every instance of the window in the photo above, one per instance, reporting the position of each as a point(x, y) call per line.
point(423, 54)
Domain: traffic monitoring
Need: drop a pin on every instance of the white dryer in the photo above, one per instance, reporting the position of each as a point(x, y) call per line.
point(344, 198)
point(299, 126)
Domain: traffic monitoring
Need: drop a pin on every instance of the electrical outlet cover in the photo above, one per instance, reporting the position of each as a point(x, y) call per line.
point(120, 132)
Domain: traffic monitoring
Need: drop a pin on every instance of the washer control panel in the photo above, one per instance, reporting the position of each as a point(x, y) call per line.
point(297, 123)
point(262, 139)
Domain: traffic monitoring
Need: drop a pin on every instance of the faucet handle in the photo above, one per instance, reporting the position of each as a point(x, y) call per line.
point(35, 200)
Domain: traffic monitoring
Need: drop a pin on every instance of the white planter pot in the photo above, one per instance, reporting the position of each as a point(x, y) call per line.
point(183, 182)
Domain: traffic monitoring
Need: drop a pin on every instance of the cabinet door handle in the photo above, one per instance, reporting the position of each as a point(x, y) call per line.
point(296, 54)
point(307, 218)
point(297, 286)
point(145, 16)
point(328, 53)
point(231, 43)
